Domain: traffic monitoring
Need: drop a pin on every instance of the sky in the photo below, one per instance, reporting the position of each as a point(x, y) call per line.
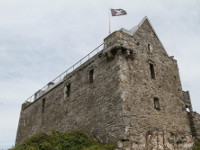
point(41, 39)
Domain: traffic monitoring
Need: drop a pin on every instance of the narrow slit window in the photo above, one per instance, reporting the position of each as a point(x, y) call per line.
point(43, 104)
point(152, 71)
point(156, 103)
point(91, 76)
point(149, 47)
point(68, 89)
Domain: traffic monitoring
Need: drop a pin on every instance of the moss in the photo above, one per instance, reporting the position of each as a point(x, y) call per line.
point(197, 145)
point(101, 147)
point(72, 140)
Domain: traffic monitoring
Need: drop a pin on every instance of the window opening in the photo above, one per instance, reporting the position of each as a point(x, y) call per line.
point(152, 71)
point(175, 77)
point(91, 76)
point(43, 104)
point(156, 103)
point(149, 47)
point(68, 89)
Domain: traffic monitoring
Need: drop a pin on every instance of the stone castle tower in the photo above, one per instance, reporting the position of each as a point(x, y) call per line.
point(130, 93)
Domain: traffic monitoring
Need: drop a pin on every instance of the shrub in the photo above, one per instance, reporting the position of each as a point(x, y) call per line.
point(71, 140)
point(197, 145)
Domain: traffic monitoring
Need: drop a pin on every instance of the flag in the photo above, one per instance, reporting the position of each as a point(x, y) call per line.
point(118, 12)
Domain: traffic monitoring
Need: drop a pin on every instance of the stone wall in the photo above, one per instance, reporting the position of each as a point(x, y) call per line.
point(187, 101)
point(157, 140)
point(196, 119)
point(140, 89)
point(93, 107)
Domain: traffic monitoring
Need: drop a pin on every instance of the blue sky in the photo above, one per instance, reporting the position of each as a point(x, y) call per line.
point(41, 39)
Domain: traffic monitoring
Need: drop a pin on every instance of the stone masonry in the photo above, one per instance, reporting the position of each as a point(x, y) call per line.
point(129, 93)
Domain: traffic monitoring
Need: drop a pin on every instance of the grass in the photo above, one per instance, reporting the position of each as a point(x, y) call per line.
point(71, 140)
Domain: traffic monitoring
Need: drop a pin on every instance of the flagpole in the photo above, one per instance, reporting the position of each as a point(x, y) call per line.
point(109, 21)
point(115, 12)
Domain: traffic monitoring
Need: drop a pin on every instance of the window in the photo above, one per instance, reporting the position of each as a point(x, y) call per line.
point(43, 104)
point(91, 75)
point(68, 89)
point(149, 47)
point(152, 71)
point(174, 77)
point(156, 103)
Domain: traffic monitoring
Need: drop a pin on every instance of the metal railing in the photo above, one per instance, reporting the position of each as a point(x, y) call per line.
point(59, 78)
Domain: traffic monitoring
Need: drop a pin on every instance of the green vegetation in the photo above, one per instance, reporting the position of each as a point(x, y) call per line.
point(72, 140)
point(197, 145)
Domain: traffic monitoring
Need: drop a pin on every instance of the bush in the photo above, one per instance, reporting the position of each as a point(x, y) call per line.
point(39, 141)
point(197, 145)
point(72, 140)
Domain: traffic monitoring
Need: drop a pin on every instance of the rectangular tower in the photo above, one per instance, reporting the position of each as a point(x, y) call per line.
point(129, 93)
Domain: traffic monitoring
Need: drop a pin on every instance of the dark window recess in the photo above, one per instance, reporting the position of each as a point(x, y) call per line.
point(68, 89)
point(91, 76)
point(156, 103)
point(149, 47)
point(175, 77)
point(152, 71)
point(43, 104)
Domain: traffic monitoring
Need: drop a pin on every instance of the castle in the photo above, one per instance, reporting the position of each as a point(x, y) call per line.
point(129, 93)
